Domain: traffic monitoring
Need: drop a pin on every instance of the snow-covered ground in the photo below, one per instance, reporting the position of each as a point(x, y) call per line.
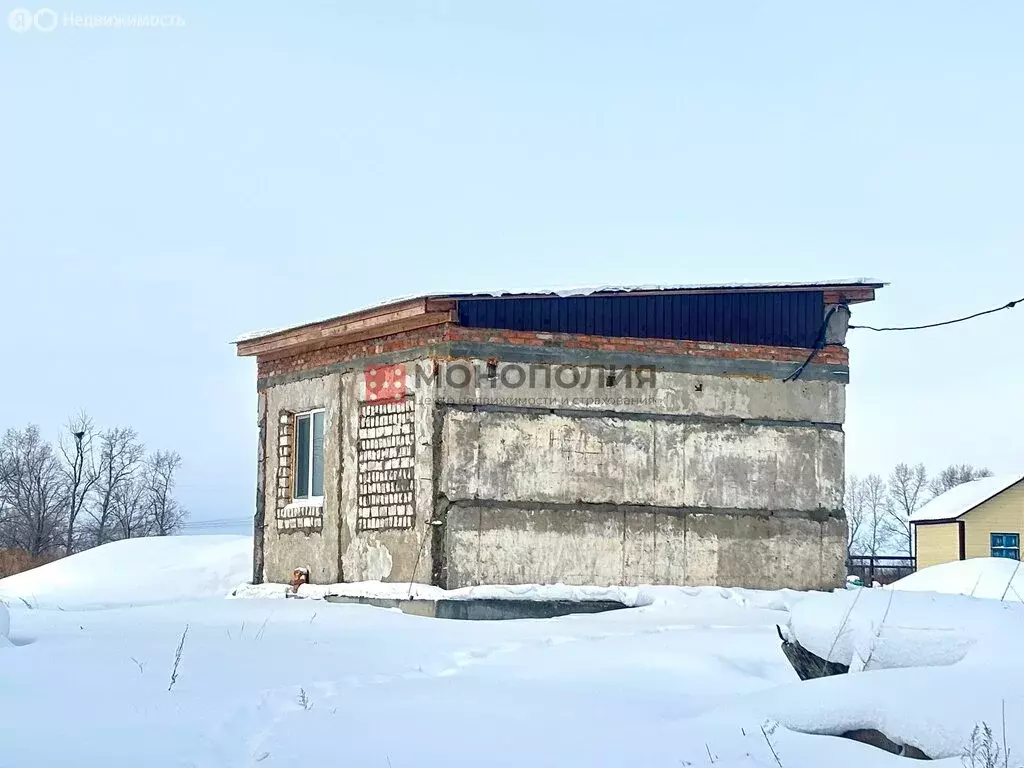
point(991, 577)
point(136, 572)
point(691, 677)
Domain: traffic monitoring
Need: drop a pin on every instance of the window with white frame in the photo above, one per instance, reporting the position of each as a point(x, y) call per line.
point(309, 456)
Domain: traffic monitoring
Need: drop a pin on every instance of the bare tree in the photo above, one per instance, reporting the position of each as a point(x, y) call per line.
point(165, 513)
point(120, 459)
point(128, 509)
point(7, 474)
point(956, 474)
point(855, 503)
point(876, 507)
point(908, 487)
point(6, 471)
point(32, 492)
point(89, 488)
point(79, 471)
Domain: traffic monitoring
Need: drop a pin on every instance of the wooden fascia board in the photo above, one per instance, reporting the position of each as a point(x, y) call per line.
point(440, 305)
point(335, 328)
point(850, 295)
point(399, 325)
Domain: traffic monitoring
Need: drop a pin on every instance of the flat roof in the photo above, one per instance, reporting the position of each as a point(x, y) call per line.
point(603, 290)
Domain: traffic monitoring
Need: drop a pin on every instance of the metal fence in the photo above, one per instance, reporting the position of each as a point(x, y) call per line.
point(884, 569)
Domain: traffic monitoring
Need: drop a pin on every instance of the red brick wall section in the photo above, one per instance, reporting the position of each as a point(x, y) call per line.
point(832, 355)
point(304, 361)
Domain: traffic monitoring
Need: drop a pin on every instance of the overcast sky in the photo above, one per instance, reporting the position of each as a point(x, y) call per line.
point(163, 190)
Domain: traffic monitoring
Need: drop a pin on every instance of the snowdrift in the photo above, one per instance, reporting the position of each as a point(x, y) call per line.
point(886, 629)
point(920, 647)
point(990, 577)
point(135, 572)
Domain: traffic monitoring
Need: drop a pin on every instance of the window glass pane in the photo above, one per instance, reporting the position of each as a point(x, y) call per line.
point(318, 454)
point(1012, 540)
point(997, 540)
point(301, 457)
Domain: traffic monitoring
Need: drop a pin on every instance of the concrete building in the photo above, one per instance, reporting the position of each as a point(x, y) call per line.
point(982, 518)
point(685, 435)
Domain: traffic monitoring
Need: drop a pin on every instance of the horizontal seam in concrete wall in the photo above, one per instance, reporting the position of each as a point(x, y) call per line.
point(673, 418)
point(819, 515)
point(707, 366)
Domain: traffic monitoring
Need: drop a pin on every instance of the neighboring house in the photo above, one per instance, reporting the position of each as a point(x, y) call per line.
point(982, 518)
point(685, 435)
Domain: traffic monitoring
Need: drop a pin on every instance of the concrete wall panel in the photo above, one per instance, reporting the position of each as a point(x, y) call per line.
point(493, 546)
point(566, 459)
point(517, 545)
point(740, 466)
point(318, 551)
point(670, 392)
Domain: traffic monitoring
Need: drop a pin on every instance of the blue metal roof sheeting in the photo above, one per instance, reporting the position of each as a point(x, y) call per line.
point(777, 318)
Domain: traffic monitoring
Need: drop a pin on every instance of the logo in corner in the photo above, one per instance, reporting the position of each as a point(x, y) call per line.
point(46, 20)
point(20, 20)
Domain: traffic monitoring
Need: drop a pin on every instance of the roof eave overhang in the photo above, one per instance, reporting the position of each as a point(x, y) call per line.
point(424, 311)
point(400, 317)
point(966, 512)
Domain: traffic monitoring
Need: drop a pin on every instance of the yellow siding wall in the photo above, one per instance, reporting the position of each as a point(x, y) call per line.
point(937, 544)
point(1002, 514)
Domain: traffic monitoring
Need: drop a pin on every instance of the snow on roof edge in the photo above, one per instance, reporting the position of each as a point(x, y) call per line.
point(587, 290)
point(963, 498)
point(568, 291)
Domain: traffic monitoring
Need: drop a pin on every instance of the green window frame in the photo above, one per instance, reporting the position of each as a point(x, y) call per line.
point(1005, 545)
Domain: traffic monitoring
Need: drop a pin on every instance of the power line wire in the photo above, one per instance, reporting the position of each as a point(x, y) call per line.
point(818, 343)
point(1008, 305)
